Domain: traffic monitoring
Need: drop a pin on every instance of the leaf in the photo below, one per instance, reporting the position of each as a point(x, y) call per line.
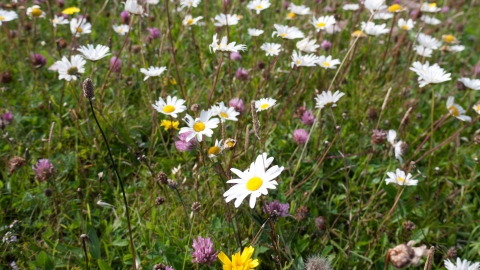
point(93, 244)
point(103, 265)
point(44, 261)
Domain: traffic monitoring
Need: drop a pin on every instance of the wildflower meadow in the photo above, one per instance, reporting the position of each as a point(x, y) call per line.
point(239, 134)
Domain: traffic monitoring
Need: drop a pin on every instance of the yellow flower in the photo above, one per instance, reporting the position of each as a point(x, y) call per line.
point(239, 262)
point(70, 10)
point(167, 124)
point(358, 33)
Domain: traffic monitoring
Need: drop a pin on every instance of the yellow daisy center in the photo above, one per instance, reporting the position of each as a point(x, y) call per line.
point(264, 106)
point(198, 126)
point(321, 24)
point(448, 38)
point(254, 183)
point(454, 110)
point(120, 30)
point(2, 18)
point(291, 15)
point(214, 150)
point(232, 143)
point(36, 12)
point(259, 7)
point(190, 22)
point(358, 33)
point(283, 35)
point(394, 8)
point(432, 5)
point(299, 62)
point(71, 10)
point(400, 179)
point(478, 108)
point(79, 30)
point(405, 27)
point(223, 115)
point(326, 64)
point(168, 109)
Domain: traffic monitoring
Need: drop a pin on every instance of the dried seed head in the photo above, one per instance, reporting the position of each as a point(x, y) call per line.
point(301, 213)
point(61, 44)
point(317, 262)
point(321, 223)
point(88, 90)
point(5, 77)
point(195, 107)
point(159, 200)
point(379, 136)
point(172, 184)
point(162, 178)
point(452, 253)
point(16, 163)
point(161, 266)
point(48, 192)
point(476, 138)
point(408, 225)
point(84, 238)
point(404, 148)
point(403, 255)
point(196, 206)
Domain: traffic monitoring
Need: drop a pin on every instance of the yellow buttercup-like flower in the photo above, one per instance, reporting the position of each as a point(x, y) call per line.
point(239, 261)
point(167, 124)
point(70, 10)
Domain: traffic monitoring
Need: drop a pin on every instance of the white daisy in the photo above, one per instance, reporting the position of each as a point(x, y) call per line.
point(372, 29)
point(224, 46)
point(255, 32)
point(121, 29)
point(391, 138)
point(264, 104)
point(35, 12)
point(133, 7)
point(94, 53)
point(152, 2)
point(456, 48)
point(430, 20)
point(173, 106)
point(374, 5)
point(351, 7)
point(68, 70)
point(400, 178)
point(327, 99)
point(199, 126)
point(189, 3)
point(6, 16)
point(476, 108)
point(461, 265)
point(449, 39)
point(271, 48)
point(189, 20)
point(59, 20)
point(430, 7)
point(225, 113)
point(297, 10)
point(457, 110)
point(425, 52)
point(300, 60)
point(327, 62)
point(429, 74)
point(152, 71)
point(429, 41)
point(473, 84)
point(406, 25)
point(254, 181)
point(258, 5)
point(222, 19)
point(287, 32)
point(216, 149)
point(307, 45)
point(322, 22)
point(383, 16)
point(80, 27)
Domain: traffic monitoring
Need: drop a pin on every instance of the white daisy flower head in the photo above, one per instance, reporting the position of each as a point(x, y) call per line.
point(59, 20)
point(224, 46)
point(254, 181)
point(370, 28)
point(400, 178)
point(429, 41)
point(391, 136)
point(152, 72)
point(172, 107)
point(327, 62)
point(258, 5)
point(271, 48)
point(264, 104)
point(307, 45)
point(351, 7)
point(35, 12)
point(473, 84)
point(455, 48)
point(430, 20)
point(430, 7)
point(457, 110)
point(121, 29)
point(152, 2)
point(287, 32)
point(80, 27)
point(298, 10)
point(6, 16)
point(216, 149)
point(374, 5)
point(94, 53)
point(68, 70)
point(406, 25)
point(198, 127)
point(133, 7)
point(383, 16)
point(449, 39)
point(461, 265)
point(222, 19)
point(224, 112)
point(476, 108)
point(425, 52)
point(255, 32)
point(189, 3)
point(299, 60)
point(429, 74)
point(398, 151)
point(326, 98)
point(323, 22)
point(189, 20)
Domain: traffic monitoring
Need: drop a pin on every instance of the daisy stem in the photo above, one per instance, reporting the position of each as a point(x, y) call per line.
point(388, 43)
point(215, 81)
point(391, 209)
point(121, 186)
point(184, 207)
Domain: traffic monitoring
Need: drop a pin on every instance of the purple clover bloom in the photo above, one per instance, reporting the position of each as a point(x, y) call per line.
point(43, 169)
point(182, 145)
point(283, 209)
point(235, 56)
point(308, 118)
point(326, 45)
point(125, 16)
point(203, 253)
point(154, 32)
point(300, 136)
point(241, 74)
point(237, 103)
point(7, 117)
point(38, 60)
point(116, 64)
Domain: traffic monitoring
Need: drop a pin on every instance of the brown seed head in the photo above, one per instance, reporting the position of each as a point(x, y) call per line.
point(88, 90)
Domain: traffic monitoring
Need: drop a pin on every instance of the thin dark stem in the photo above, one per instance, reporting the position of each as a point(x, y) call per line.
point(184, 207)
point(388, 43)
point(86, 253)
point(121, 185)
point(215, 81)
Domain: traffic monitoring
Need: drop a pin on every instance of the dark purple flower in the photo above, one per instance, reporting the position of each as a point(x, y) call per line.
point(326, 45)
point(38, 60)
point(116, 64)
point(308, 118)
point(154, 32)
point(7, 117)
point(125, 17)
point(235, 56)
point(241, 74)
point(282, 209)
point(43, 170)
point(300, 136)
point(203, 252)
point(182, 145)
point(237, 103)
point(286, 4)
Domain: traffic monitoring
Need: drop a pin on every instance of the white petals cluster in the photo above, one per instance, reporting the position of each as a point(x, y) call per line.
point(258, 5)
point(429, 74)
point(287, 32)
point(307, 45)
point(224, 46)
point(152, 72)
point(80, 27)
point(222, 19)
point(271, 48)
point(94, 53)
point(372, 29)
point(326, 98)
point(400, 178)
point(457, 110)
point(200, 126)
